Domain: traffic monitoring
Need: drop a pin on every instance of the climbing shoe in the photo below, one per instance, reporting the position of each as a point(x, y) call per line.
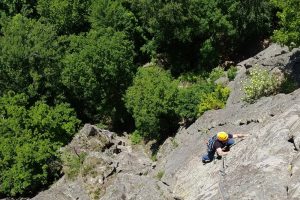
point(205, 161)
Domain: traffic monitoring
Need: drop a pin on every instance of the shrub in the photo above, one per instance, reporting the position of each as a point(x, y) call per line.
point(160, 174)
point(231, 73)
point(151, 101)
point(192, 78)
point(260, 83)
point(157, 102)
point(188, 99)
point(190, 96)
point(174, 143)
point(154, 157)
point(72, 163)
point(214, 100)
point(216, 73)
point(135, 137)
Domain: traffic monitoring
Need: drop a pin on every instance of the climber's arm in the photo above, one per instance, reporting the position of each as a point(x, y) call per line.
point(240, 135)
point(221, 152)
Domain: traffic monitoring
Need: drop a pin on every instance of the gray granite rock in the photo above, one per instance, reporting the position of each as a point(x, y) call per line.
point(111, 164)
point(222, 81)
point(65, 190)
point(128, 186)
point(266, 165)
point(263, 166)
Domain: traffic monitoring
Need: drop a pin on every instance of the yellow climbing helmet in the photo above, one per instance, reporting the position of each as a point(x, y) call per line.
point(222, 136)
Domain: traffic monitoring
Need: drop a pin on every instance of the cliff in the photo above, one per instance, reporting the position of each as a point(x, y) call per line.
point(265, 165)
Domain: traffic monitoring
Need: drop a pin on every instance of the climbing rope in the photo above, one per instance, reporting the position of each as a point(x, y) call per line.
point(222, 189)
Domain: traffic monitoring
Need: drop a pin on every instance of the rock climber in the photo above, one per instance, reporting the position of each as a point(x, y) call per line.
point(220, 143)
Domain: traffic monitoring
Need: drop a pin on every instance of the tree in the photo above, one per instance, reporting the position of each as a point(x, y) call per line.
point(29, 58)
point(109, 13)
point(68, 16)
point(13, 7)
point(151, 100)
point(97, 70)
point(252, 21)
point(118, 16)
point(29, 140)
point(176, 30)
point(197, 34)
point(289, 31)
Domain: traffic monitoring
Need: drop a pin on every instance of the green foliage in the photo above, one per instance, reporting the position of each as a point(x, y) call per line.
point(151, 99)
point(251, 19)
point(209, 56)
point(136, 138)
point(216, 73)
point(189, 97)
point(86, 53)
point(155, 97)
point(68, 16)
point(72, 163)
point(191, 77)
point(25, 167)
point(215, 100)
point(231, 72)
point(289, 84)
point(260, 83)
point(116, 15)
point(97, 70)
point(175, 20)
point(29, 139)
point(109, 13)
point(160, 174)
point(13, 7)
point(178, 23)
point(29, 59)
point(289, 30)
point(174, 143)
point(187, 102)
point(154, 157)
point(189, 34)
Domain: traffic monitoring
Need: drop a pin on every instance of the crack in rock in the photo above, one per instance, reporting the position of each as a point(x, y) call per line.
point(291, 140)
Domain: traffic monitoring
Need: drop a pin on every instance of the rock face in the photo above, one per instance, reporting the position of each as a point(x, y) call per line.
point(111, 169)
point(266, 165)
point(263, 166)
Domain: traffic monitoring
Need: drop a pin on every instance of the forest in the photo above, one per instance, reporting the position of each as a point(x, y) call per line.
point(140, 66)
